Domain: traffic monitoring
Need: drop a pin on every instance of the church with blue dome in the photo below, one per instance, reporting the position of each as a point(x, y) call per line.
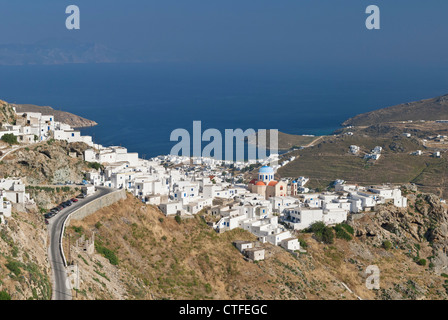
point(266, 174)
point(266, 185)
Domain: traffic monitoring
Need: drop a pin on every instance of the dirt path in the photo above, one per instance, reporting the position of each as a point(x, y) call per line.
point(314, 141)
point(13, 149)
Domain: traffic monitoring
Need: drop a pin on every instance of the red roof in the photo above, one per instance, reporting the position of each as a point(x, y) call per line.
point(272, 183)
point(260, 183)
point(253, 181)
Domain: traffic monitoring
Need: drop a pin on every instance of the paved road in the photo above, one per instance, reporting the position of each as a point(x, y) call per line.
point(60, 290)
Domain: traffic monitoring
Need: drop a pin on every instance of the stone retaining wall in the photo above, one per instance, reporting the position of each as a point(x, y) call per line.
point(98, 204)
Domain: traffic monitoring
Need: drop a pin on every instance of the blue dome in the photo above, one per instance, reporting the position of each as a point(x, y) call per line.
point(266, 169)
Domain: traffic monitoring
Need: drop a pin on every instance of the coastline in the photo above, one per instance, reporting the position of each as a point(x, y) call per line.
point(71, 119)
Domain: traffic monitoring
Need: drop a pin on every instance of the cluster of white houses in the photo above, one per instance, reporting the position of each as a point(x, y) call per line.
point(375, 153)
point(334, 207)
point(31, 127)
point(266, 207)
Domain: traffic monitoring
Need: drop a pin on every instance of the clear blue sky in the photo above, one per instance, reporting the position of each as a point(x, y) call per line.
point(315, 32)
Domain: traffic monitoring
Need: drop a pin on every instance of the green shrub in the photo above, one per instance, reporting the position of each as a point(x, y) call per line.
point(317, 227)
point(322, 232)
point(94, 165)
point(14, 267)
point(303, 243)
point(422, 262)
point(387, 245)
point(107, 253)
point(328, 235)
point(4, 295)
point(342, 233)
point(9, 138)
point(78, 229)
point(348, 228)
point(161, 219)
point(178, 219)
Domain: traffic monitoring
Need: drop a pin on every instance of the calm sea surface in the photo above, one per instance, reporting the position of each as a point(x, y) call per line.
point(137, 105)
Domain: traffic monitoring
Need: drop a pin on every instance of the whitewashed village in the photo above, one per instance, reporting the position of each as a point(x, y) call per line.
point(271, 209)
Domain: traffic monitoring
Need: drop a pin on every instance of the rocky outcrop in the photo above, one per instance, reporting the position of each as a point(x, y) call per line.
point(421, 229)
point(46, 163)
point(61, 116)
point(7, 114)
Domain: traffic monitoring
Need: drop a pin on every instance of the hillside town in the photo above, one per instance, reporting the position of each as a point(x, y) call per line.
point(269, 208)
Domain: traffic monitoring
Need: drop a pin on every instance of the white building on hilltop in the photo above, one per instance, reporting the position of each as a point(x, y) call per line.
point(14, 191)
point(5, 208)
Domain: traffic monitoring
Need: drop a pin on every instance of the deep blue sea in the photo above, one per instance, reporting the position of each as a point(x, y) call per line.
point(138, 105)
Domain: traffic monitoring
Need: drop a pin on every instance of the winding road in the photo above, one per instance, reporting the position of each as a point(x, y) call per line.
point(55, 228)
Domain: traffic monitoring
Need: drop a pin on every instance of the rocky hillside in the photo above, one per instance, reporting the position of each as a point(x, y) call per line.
point(421, 233)
point(47, 197)
point(141, 254)
point(24, 267)
point(46, 163)
point(429, 109)
point(7, 114)
point(61, 116)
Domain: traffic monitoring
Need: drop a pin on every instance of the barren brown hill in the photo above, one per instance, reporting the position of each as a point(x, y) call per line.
point(141, 254)
point(286, 141)
point(61, 116)
point(429, 109)
point(25, 272)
